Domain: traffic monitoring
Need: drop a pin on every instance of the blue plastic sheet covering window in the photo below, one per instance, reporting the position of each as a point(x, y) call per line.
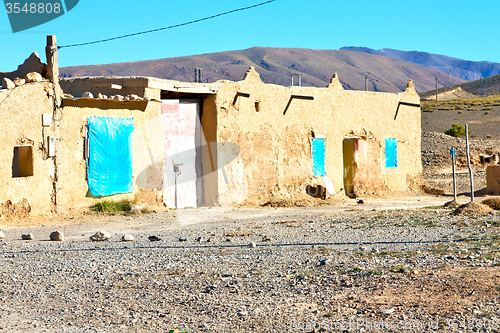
point(109, 168)
point(391, 153)
point(318, 155)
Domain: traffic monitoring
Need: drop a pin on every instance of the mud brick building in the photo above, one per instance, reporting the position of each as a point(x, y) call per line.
point(67, 142)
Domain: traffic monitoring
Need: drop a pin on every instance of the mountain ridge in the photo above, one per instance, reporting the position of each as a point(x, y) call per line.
point(464, 69)
point(275, 66)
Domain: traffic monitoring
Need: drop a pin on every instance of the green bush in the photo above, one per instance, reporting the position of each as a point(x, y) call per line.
point(456, 130)
point(108, 206)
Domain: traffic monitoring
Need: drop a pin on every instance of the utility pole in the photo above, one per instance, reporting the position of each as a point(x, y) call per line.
point(53, 73)
point(299, 75)
point(436, 76)
point(366, 80)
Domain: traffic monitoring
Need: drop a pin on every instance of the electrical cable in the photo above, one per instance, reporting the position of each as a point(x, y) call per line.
point(169, 27)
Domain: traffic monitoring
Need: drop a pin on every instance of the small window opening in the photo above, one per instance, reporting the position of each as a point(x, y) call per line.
point(22, 164)
point(257, 106)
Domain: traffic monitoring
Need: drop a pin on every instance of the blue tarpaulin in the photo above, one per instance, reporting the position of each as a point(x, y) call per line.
point(318, 155)
point(391, 153)
point(109, 168)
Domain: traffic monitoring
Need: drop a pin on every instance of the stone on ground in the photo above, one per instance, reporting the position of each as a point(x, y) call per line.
point(128, 238)
point(100, 236)
point(57, 236)
point(27, 236)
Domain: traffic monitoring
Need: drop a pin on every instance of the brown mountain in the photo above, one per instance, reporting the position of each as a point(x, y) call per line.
point(275, 65)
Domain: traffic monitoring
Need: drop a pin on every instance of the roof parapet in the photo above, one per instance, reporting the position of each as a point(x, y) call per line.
point(335, 82)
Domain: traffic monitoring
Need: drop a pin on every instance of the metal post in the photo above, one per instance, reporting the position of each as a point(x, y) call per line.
point(452, 152)
point(468, 163)
point(436, 89)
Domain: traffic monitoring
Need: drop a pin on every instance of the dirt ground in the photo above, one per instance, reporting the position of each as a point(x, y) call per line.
point(449, 289)
point(481, 125)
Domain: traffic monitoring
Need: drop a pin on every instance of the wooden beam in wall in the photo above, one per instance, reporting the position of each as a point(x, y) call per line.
point(407, 104)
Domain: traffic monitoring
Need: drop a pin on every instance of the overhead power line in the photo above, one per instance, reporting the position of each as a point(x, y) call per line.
point(169, 27)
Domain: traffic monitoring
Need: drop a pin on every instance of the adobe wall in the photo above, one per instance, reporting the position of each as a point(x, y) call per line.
point(96, 85)
point(32, 64)
point(275, 140)
point(147, 155)
point(21, 109)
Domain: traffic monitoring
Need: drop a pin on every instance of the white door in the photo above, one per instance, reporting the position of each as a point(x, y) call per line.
point(182, 171)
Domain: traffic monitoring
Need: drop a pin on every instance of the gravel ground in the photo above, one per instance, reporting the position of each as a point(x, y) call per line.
point(311, 267)
point(437, 164)
point(341, 267)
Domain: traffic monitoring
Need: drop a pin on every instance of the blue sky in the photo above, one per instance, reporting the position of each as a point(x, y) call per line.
point(462, 29)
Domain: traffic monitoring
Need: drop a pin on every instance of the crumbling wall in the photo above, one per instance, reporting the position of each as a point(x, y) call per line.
point(147, 145)
point(274, 126)
point(32, 64)
point(106, 86)
point(21, 109)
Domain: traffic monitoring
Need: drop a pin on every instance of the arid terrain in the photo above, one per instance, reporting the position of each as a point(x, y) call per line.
point(389, 264)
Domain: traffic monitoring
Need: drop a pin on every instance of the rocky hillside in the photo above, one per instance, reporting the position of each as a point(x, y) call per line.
point(275, 66)
point(464, 69)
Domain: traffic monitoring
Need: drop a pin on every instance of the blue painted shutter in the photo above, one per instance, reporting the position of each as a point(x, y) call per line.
point(391, 153)
point(318, 155)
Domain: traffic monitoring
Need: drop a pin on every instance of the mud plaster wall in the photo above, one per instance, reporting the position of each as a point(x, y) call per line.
point(21, 109)
point(276, 147)
point(32, 64)
point(147, 155)
point(209, 154)
point(96, 85)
